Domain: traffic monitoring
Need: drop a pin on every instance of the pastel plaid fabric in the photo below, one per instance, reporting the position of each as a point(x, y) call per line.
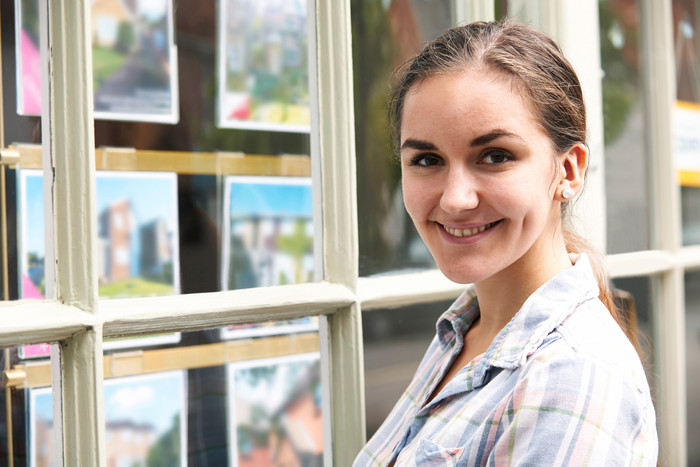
point(559, 385)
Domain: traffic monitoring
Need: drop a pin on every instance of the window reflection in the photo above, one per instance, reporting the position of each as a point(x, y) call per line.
point(533, 12)
point(686, 16)
point(626, 158)
point(692, 355)
point(394, 343)
point(635, 296)
point(385, 34)
point(13, 401)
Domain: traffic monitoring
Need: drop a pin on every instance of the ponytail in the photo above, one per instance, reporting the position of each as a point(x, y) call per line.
point(625, 316)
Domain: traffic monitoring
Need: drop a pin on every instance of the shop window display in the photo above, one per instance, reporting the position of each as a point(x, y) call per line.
point(195, 193)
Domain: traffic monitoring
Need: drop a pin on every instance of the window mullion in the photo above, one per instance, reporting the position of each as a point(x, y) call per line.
point(69, 187)
point(341, 332)
point(660, 93)
point(670, 321)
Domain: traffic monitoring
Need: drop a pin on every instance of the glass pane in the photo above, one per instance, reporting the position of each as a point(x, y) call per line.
point(686, 19)
point(202, 114)
point(260, 403)
point(692, 355)
point(137, 251)
point(635, 296)
point(21, 375)
point(533, 12)
point(20, 89)
point(394, 343)
point(392, 31)
point(626, 157)
point(246, 396)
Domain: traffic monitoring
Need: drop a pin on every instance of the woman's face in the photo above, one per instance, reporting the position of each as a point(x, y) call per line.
point(478, 176)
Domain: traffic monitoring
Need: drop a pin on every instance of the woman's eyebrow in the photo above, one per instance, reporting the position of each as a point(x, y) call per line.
point(421, 145)
point(418, 144)
point(491, 136)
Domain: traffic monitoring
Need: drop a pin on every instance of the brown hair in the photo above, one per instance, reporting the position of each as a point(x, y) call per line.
point(537, 67)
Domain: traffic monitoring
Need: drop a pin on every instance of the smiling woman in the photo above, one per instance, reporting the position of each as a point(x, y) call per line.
point(529, 365)
point(482, 195)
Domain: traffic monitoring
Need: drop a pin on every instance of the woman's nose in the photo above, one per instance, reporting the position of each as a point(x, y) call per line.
point(459, 193)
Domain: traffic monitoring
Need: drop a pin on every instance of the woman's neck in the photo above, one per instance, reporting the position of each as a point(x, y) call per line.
point(503, 294)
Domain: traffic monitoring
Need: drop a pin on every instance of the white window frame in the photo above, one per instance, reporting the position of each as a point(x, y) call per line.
point(78, 321)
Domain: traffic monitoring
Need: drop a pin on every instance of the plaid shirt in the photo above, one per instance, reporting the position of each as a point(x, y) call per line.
point(559, 385)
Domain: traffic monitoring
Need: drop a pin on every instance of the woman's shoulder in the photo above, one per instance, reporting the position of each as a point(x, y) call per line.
point(590, 339)
point(584, 390)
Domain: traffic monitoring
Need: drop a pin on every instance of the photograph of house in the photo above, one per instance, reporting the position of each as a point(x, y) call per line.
point(133, 56)
point(275, 412)
point(137, 248)
point(145, 420)
point(134, 64)
point(268, 231)
point(263, 65)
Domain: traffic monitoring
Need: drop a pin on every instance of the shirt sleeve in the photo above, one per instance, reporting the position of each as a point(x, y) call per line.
point(576, 411)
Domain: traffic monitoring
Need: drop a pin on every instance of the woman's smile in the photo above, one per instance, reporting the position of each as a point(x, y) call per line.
point(467, 232)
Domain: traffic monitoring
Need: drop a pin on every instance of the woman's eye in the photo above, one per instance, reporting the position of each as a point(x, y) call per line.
point(496, 157)
point(425, 160)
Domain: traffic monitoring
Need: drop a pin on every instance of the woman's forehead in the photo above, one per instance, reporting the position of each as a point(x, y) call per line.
point(477, 98)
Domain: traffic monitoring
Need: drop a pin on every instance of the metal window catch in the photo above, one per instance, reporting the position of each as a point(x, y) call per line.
point(9, 156)
point(14, 378)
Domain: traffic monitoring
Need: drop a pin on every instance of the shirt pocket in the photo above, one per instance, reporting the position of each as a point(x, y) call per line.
point(431, 454)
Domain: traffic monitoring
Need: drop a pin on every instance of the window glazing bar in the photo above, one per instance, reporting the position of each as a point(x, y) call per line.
point(397, 290)
point(198, 311)
point(641, 263)
point(690, 257)
point(25, 322)
point(341, 332)
point(69, 190)
point(660, 91)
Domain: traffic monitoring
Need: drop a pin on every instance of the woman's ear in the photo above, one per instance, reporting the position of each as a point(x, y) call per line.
point(572, 172)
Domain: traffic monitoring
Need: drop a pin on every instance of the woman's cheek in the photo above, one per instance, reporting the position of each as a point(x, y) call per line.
point(417, 197)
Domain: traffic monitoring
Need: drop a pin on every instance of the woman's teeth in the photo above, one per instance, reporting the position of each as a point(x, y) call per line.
point(468, 232)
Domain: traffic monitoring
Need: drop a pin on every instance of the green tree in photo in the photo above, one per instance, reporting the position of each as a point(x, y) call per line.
point(126, 37)
point(298, 244)
point(620, 80)
point(166, 451)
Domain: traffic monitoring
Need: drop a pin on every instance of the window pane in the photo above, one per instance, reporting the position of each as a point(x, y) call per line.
point(21, 89)
point(261, 403)
point(385, 34)
point(635, 295)
point(247, 396)
point(686, 19)
point(213, 97)
point(533, 12)
point(32, 252)
point(692, 355)
point(626, 158)
point(22, 373)
point(394, 343)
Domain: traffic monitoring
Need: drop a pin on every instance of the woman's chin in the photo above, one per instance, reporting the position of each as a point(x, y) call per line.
point(462, 275)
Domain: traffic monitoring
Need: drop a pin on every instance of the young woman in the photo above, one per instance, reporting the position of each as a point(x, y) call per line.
point(529, 366)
